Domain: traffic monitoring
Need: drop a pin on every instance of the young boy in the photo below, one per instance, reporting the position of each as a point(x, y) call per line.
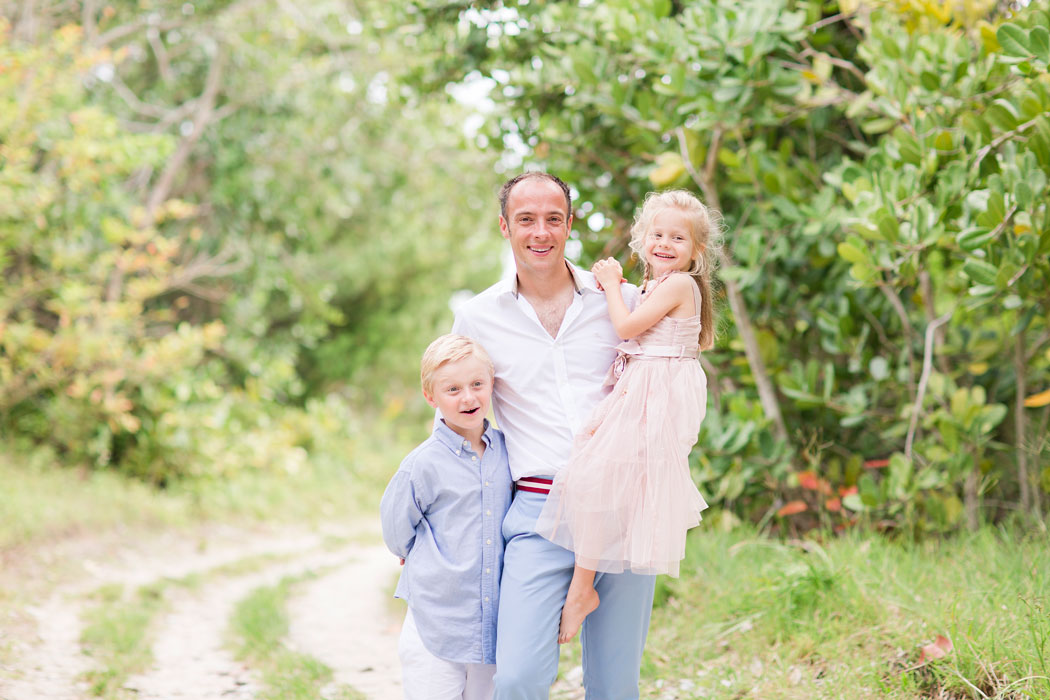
point(442, 514)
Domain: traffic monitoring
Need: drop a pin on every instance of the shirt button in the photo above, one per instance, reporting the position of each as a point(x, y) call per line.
point(466, 443)
point(487, 484)
point(486, 599)
point(473, 458)
point(488, 541)
point(488, 570)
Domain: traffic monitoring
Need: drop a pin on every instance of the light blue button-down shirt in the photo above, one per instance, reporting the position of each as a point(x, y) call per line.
point(442, 513)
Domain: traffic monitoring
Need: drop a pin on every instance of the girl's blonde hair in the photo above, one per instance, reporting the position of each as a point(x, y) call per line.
point(706, 229)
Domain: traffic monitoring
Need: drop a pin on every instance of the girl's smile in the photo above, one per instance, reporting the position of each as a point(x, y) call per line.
point(669, 244)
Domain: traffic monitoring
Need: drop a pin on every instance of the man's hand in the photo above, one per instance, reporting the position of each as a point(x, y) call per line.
point(608, 273)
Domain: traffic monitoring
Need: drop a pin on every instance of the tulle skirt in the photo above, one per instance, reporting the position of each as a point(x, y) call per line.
point(626, 499)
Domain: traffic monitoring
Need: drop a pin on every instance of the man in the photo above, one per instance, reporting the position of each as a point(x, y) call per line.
point(549, 334)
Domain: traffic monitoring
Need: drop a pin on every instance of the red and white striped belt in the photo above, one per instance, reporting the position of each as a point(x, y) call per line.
point(534, 484)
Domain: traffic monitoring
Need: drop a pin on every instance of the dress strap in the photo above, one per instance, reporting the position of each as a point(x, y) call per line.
point(697, 301)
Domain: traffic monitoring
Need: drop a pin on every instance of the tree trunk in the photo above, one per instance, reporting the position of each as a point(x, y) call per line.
point(971, 503)
point(766, 391)
point(767, 394)
point(1020, 437)
point(26, 26)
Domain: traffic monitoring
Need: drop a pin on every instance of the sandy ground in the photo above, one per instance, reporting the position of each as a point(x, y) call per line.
point(342, 617)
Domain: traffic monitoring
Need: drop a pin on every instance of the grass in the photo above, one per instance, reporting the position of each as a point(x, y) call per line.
point(116, 633)
point(847, 618)
point(259, 626)
point(44, 500)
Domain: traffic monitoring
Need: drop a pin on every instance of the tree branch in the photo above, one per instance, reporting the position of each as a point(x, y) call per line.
point(163, 62)
point(927, 367)
point(999, 140)
point(162, 188)
point(125, 30)
point(205, 107)
point(926, 290)
point(88, 14)
point(902, 314)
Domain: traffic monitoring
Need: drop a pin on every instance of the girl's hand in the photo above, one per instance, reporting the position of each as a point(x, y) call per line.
point(607, 273)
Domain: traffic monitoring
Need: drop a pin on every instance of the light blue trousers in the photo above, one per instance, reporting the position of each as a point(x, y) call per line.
point(536, 575)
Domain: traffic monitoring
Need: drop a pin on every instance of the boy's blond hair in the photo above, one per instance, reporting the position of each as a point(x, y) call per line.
point(449, 348)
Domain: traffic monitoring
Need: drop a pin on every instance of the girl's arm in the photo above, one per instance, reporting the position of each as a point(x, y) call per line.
point(667, 297)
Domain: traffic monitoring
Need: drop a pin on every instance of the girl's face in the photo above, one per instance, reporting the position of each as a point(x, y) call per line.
point(669, 243)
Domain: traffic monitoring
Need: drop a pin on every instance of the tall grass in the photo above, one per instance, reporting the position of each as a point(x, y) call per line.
point(847, 618)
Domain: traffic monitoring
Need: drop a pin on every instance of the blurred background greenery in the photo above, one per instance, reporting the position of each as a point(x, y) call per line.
point(228, 229)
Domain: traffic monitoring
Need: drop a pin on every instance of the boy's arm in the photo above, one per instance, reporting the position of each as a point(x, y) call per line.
point(399, 512)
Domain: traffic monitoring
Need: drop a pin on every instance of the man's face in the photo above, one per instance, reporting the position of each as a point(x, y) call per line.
point(537, 226)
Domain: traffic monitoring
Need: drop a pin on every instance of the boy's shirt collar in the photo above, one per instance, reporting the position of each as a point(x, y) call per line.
point(456, 442)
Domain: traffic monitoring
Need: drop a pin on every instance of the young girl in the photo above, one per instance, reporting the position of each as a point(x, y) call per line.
point(626, 499)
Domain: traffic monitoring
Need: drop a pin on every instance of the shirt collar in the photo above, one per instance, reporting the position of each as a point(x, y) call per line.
point(582, 281)
point(453, 440)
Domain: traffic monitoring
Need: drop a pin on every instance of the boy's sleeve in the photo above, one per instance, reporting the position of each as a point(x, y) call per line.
point(400, 512)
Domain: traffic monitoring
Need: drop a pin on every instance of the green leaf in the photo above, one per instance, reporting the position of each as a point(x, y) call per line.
point(853, 502)
point(878, 126)
point(1023, 193)
point(728, 158)
point(1002, 114)
point(889, 226)
point(991, 416)
point(974, 237)
point(1014, 40)
point(1039, 42)
point(862, 272)
point(980, 271)
point(852, 253)
point(943, 141)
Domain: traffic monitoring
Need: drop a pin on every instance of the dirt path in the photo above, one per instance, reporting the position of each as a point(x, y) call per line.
point(43, 654)
point(342, 620)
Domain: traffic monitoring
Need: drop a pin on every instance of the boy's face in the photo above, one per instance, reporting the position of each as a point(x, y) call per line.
point(462, 391)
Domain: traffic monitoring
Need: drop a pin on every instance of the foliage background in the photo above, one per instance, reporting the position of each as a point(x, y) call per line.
point(227, 229)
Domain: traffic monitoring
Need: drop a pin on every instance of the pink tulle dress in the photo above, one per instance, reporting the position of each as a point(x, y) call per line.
point(625, 500)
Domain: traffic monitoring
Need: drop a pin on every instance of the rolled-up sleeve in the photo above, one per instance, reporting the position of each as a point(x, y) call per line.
point(400, 513)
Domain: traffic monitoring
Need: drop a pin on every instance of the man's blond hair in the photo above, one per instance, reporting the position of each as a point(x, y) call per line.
point(450, 348)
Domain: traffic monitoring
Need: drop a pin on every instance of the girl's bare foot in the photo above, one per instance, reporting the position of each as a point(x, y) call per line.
point(578, 605)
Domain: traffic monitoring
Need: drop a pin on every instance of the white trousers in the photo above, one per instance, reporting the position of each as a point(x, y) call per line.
point(426, 677)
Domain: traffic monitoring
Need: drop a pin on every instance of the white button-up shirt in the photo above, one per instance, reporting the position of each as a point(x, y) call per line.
point(545, 387)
